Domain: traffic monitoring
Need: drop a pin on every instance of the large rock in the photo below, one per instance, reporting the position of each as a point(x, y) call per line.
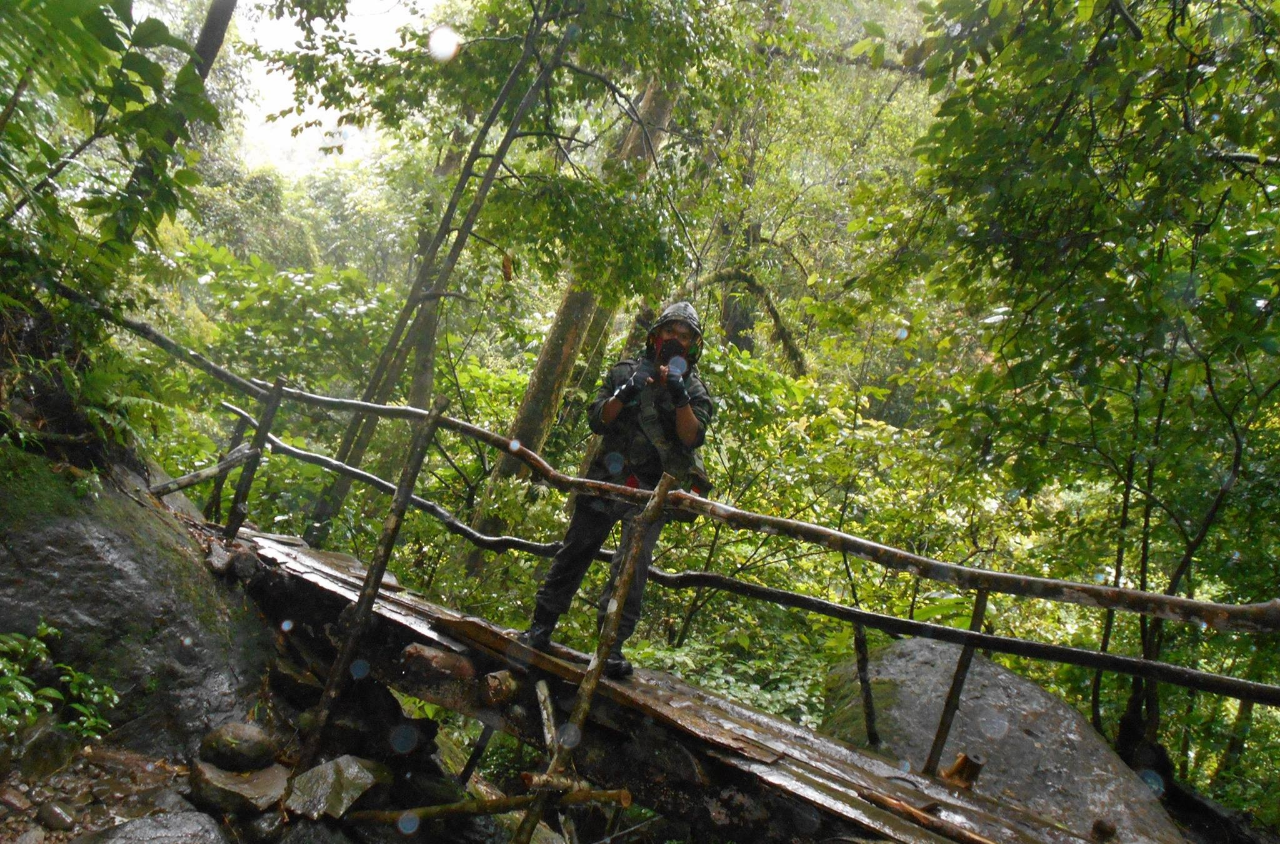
point(1040, 753)
point(331, 788)
point(171, 828)
point(231, 793)
point(127, 586)
point(238, 746)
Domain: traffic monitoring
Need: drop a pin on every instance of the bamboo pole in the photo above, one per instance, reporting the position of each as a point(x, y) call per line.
point(952, 703)
point(262, 429)
point(423, 433)
point(477, 754)
point(864, 681)
point(238, 456)
point(1253, 618)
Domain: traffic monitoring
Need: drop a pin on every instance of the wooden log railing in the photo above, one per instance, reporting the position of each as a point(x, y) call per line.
point(1251, 618)
point(1133, 666)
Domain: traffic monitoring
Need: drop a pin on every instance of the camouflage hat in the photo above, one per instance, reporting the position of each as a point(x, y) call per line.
point(679, 312)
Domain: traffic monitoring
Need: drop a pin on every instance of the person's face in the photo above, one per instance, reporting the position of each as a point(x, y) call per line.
point(680, 332)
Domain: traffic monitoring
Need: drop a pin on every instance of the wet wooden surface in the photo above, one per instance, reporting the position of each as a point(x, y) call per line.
point(826, 777)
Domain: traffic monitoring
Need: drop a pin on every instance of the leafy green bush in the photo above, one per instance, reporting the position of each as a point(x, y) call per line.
point(78, 702)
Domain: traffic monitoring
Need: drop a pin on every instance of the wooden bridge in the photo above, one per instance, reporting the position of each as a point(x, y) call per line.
point(729, 771)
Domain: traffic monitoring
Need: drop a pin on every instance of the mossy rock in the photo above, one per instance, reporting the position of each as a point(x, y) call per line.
point(126, 584)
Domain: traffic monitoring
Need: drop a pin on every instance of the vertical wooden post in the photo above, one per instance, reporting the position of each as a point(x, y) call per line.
point(957, 686)
point(240, 503)
point(423, 432)
point(582, 705)
point(477, 754)
point(864, 680)
point(213, 507)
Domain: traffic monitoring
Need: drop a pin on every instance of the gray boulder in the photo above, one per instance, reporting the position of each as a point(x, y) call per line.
point(171, 828)
point(331, 788)
point(230, 793)
point(1040, 753)
point(238, 746)
point(128, 587)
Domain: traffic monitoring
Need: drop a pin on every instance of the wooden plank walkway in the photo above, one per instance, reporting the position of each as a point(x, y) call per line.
point(825, 787)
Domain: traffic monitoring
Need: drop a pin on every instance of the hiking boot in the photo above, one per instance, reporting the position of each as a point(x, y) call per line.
point(538, 637)
point(616, 667)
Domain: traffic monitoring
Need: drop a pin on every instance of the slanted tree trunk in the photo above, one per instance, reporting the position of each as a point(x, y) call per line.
point(422, 304)
point(577, 313)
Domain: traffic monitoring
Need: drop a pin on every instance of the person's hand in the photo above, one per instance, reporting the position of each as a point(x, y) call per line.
point(676, 386)
point(637, 382)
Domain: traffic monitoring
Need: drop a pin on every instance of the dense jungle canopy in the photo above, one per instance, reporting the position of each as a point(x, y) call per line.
point(992, 282)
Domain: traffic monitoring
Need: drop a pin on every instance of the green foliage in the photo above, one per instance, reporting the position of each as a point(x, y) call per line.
point(78, 701)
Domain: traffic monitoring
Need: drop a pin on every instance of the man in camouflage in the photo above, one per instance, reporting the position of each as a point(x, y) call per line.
point(652, 413)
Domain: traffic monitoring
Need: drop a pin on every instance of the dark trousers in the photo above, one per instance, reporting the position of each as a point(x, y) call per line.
point(592, 520)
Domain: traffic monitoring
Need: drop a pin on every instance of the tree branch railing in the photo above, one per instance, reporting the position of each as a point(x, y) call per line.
point(1133, 666)
point(1253, 618)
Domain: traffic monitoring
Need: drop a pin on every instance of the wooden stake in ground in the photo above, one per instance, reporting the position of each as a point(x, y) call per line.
point(423, 433)
point(957, 686)
point(240, 502)
point(213, 507)
point(566, 742)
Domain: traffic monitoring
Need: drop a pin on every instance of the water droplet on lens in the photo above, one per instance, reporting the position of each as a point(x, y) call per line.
point(286, 625)
point(992, 724)
point(568, 736)
point(404, 738)
point(407, 823)
point(360, 669)
point(678, 366)
point(514, 447)
point(613, 461)
point(1153, 780)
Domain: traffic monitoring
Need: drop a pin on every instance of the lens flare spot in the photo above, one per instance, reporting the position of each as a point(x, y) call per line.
point(186, 641)
point(678, 366)
point(992, 724)
point(903, 333)
point(514, 447)
point(444, 43)
point(286, 625)
point(404, 738)
point(568, 736)
point(613, 461)
point(407, 823)
point(1154, 781)
point(360, 669)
